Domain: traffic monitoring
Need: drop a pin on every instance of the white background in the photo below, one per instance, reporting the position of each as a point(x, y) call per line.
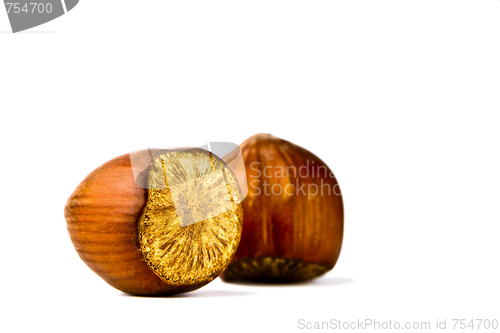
point(400, 98)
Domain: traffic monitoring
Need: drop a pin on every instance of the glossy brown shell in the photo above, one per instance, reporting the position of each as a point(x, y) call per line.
point(286, 238)
point(102, 218)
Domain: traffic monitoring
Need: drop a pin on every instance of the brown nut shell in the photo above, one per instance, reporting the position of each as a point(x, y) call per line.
point(103, 216)
point(290, 232)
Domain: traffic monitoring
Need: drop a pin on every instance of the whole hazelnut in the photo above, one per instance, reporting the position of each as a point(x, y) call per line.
point(157, 222)
point(293, 214)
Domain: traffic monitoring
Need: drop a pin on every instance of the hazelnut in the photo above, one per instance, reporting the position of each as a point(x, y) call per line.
point(293, 214)
point(171, 228)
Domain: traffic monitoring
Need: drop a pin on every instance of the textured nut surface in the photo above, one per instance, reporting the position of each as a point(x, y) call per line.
point(190, 230)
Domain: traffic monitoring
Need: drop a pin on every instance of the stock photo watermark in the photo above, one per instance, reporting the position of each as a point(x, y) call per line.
point(374, 324)
point(307, 180)
point(24, 15)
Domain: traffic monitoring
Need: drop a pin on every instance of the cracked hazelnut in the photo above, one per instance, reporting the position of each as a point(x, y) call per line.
point(171, 229)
